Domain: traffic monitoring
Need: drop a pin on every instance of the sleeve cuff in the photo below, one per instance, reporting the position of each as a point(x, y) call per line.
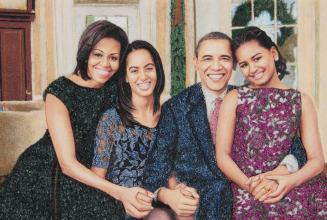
point(291, 163)
point(155, 194)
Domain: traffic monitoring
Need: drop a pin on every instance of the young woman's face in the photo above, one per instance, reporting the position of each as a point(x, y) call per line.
point(103, 61)
point(141, 73)
point(257, 63)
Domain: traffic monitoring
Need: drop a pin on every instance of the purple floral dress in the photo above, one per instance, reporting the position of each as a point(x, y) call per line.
point(267, 119)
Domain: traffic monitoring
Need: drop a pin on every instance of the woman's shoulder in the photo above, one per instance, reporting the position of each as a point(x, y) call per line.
point(58, 83)
point(111, 116)
point(58, 88)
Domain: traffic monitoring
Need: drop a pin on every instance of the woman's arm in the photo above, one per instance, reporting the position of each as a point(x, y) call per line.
point(101, 172)
point(224, 141)
point(312, 144)
point(311, 140)
point(58, 122)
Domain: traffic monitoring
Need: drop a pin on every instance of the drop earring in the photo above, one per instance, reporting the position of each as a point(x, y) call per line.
point(276, 58)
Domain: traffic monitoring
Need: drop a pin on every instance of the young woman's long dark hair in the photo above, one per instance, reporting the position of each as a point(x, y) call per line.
point(258, 35)
point(125, 105)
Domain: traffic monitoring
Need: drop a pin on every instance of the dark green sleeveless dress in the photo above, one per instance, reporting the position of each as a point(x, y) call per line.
point(37, 188)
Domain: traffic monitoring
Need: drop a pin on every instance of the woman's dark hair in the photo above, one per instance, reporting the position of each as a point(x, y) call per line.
point(258, 35)
point(91, 36)
point(125, 105)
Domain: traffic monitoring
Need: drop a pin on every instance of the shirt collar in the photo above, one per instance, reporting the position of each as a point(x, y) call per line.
point(209, 96)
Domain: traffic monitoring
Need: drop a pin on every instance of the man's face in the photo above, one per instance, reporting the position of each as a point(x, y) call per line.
point(214, 64)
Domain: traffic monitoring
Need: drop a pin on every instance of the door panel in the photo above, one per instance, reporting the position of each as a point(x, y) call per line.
point(12, 51)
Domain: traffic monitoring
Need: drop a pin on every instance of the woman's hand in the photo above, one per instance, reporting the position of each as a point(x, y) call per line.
point(285, 184)
point(137, 201)
point(260, 187)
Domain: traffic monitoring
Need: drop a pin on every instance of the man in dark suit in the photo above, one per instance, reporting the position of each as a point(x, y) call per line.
point(185, 146)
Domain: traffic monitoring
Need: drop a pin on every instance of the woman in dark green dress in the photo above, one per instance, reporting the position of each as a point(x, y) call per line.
point(52, 178)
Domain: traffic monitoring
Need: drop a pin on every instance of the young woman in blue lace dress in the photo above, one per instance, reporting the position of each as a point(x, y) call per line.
point(126, 133)
point(256, 127)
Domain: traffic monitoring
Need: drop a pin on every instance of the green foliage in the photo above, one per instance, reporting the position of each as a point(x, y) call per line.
point(243, 16)
point(177, 49)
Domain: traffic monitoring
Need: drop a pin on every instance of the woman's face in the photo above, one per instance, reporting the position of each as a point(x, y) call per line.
point(103, 61)
point(141, 73)
point(257, 63)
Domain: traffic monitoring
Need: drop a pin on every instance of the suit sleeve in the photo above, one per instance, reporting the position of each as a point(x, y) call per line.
point(160, 161)
point(298, 151)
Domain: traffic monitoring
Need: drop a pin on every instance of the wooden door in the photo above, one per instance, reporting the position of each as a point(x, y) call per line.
point(15, 52)
point(15, 61)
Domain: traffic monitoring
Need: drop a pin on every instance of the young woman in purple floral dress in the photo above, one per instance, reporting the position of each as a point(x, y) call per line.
point(257, 124)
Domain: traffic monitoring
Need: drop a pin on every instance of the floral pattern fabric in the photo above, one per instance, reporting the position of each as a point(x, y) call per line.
point(122, 150)
point(267, 120)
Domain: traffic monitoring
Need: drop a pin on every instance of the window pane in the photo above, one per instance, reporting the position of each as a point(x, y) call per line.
point(286, 11)
point(241, 12)
point(92, 18)
point(269, 30)
point(291, 78)
point(263, 12)
point(120, 21)
point(287, 43)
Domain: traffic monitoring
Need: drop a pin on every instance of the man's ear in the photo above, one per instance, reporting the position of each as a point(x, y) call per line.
point(195, 63)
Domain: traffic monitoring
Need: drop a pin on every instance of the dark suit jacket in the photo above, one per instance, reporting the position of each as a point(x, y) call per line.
point(184, 145)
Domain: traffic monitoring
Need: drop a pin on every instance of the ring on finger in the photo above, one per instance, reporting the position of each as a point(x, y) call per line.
point(267, 188)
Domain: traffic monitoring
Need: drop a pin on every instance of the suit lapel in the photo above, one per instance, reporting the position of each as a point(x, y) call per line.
point(197, 116)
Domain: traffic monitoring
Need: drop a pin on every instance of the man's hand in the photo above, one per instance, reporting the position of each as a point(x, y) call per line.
point(183, 200)
point(188, 191)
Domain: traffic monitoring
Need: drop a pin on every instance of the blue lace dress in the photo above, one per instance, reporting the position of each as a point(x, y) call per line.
point(122, 150)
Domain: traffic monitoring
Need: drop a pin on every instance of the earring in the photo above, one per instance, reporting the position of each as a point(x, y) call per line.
point(276, 58)
point(126, 81)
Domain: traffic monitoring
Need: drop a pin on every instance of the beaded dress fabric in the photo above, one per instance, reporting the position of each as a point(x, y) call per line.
point(37, 188)
point(267, 119)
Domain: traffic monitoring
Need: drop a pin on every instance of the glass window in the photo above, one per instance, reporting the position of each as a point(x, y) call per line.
point(279, 19)
point(120, 21)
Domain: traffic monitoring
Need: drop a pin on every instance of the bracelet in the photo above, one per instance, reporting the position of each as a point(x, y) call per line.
point(155, 194)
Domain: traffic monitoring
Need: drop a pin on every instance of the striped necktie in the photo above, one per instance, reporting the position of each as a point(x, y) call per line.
point(214, 119)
